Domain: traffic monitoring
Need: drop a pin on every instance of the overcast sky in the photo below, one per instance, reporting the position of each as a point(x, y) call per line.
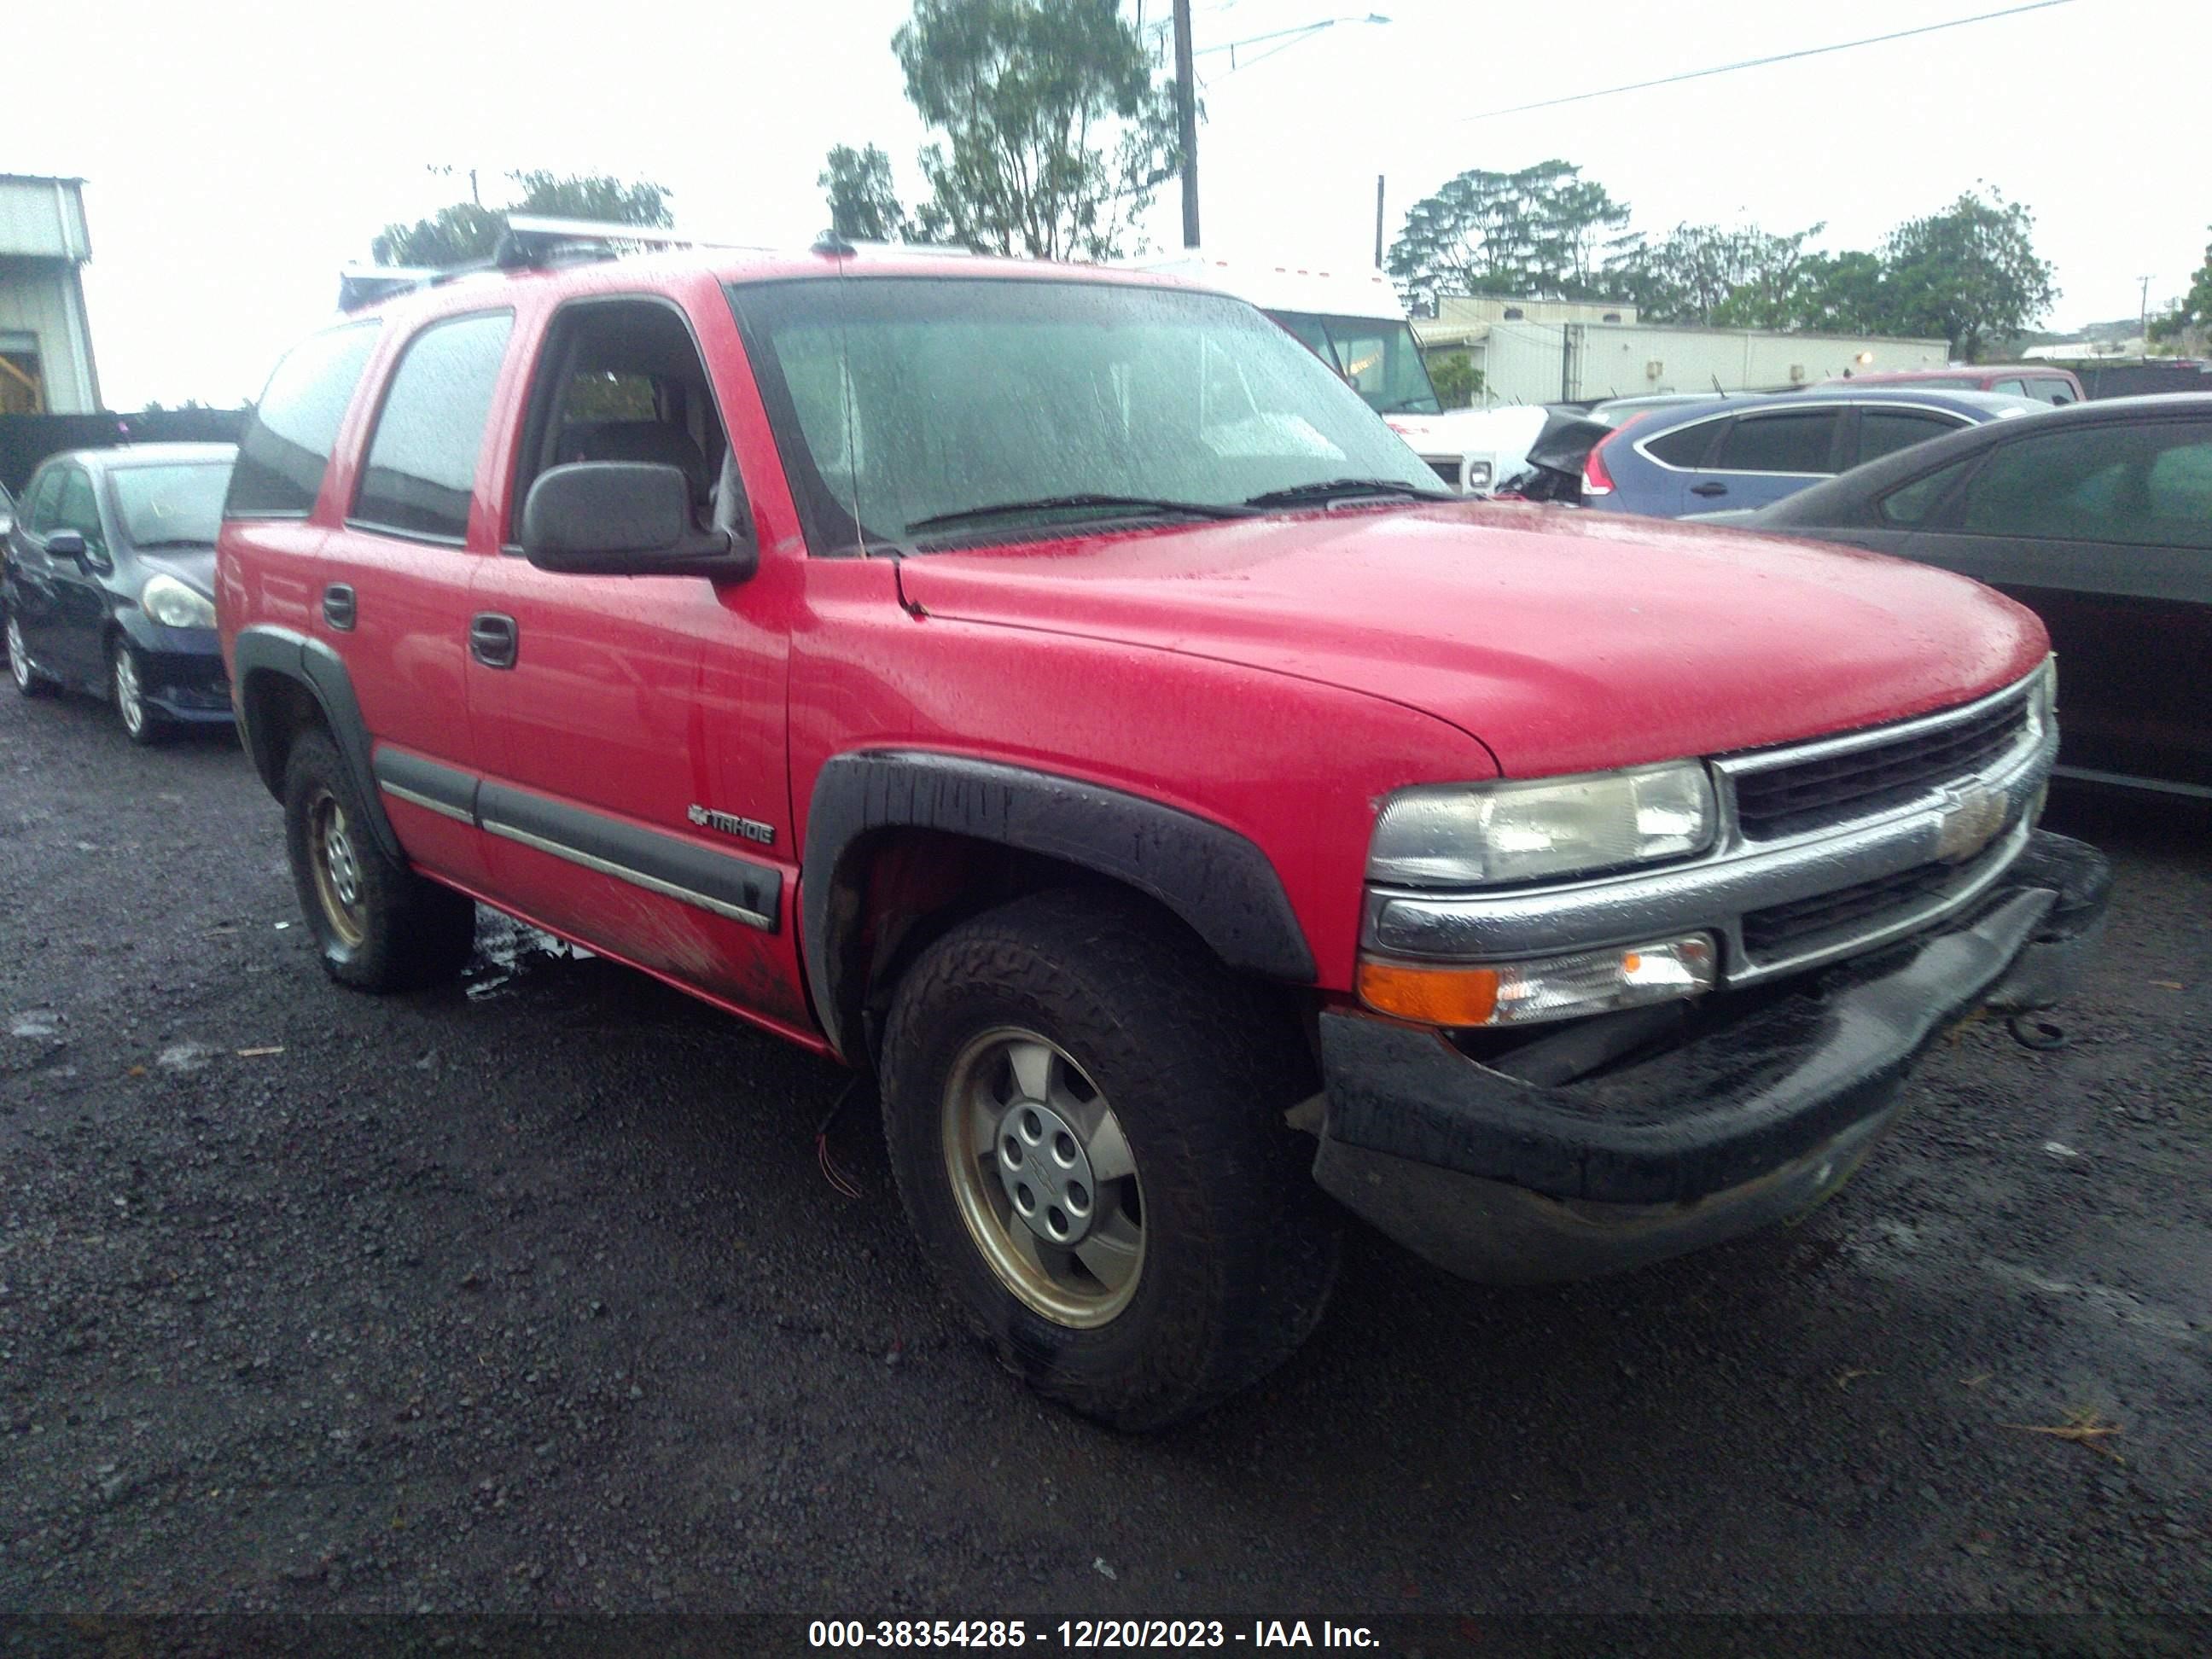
point(237, 153)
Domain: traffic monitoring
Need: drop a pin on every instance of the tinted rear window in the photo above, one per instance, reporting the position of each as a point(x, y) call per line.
point(286, 443)
point(422, 461)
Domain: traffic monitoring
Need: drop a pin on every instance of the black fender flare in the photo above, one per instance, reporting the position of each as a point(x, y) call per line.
point(1218, 882)
point(265, 648)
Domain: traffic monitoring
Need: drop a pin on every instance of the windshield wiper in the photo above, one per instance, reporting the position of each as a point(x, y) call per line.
point(1112, 504)
point(175, 541)
point(1330, 490)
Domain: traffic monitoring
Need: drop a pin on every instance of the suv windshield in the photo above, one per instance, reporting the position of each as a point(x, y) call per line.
point(903, 405)
point(170, 505)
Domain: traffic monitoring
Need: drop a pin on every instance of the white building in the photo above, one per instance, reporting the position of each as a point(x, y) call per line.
point(45, 344)
point(1539, 351)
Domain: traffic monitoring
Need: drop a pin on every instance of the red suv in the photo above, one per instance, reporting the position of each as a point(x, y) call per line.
point(1054, 693)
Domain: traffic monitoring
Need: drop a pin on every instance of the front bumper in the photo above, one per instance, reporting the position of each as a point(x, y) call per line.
point(1752, 1108)
point(183, 670)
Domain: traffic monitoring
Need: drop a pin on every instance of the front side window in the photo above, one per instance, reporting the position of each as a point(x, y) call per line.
point(287, 442)
point(900, 400)
point(43, 500)
point(79, 509)
point(1796, 442)
point(2051, 391)
point(2016, 388)
point(1886, 431)
point(422, 469)
point(178, 506)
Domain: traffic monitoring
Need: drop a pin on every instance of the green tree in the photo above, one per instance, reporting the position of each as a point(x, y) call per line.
point(1543, 231)
point(1051, 133)
point(467, 231)
point(1457, 380)
point(1970, 273)
point(863, 202)
point(1714, 276)
point(1847, 293)
point(2194, 314)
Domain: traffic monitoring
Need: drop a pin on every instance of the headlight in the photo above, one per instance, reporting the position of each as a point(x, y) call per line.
point(1479, 834)
point(173, 605)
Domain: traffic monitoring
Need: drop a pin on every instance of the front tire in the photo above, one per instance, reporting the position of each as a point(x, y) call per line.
point(143, 723)
point(379, 925)
point(1085, 1114)
point(27, 680)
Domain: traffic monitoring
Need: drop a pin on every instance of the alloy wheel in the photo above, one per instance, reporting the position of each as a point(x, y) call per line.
point(129, 693)
point(1043, 1177)
point(336, 869)
point(19, 657)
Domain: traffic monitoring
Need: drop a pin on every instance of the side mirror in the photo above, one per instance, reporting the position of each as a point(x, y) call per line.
point(67, 544)
point(625, 519)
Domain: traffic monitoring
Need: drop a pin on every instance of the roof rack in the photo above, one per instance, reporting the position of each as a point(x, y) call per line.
point(534, 242)
point(529, 242)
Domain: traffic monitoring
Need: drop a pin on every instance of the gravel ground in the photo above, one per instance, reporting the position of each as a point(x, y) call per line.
point(530, 1295)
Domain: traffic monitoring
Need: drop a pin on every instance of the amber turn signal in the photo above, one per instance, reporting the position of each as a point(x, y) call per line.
point(1433, 996)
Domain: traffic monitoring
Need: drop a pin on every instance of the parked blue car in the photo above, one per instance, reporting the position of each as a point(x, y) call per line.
point(1733, 455)
point(108, 583)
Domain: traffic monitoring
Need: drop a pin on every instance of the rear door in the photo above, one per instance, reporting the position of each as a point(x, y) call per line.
point(2105, 530)
point(1766, 454)
point(396, 576)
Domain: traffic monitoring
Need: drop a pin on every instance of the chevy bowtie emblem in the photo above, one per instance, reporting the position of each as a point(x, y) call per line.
point(731, 825)
point(1971, 824)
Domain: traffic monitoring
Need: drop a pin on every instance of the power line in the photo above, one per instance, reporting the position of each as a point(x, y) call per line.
point(1779, 57)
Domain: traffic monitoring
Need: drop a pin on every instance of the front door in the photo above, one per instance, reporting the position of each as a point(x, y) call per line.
point(73, 639)
point(632, 729)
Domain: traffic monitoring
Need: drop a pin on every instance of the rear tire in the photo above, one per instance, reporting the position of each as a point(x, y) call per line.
point(1081, 1041)
point(27, 680)
point(378, 925)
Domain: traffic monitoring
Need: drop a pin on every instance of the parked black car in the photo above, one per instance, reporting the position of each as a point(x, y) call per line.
point(109, 582)
point(2098, 518)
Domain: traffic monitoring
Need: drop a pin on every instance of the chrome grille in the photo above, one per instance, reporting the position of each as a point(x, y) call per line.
point(1445, 467)
point(1796, 797)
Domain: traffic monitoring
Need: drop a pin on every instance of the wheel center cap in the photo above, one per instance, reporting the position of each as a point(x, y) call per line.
point(1047, 1173)
point(344, 876)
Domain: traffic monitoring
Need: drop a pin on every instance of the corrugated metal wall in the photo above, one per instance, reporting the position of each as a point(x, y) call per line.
point(40, 298)
point(43, 218)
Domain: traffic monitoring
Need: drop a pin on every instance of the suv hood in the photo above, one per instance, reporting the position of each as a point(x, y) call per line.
point(1566, 642)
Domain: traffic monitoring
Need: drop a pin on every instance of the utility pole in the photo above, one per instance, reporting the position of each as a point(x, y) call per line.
point(1378, 222)
point(2142, 323)
point(1186, 114)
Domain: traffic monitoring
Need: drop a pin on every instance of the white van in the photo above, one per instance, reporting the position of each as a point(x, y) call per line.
point(1353, 321)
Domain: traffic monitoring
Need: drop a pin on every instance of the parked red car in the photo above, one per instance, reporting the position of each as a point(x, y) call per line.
point(1054, 692)
point(2040, 381)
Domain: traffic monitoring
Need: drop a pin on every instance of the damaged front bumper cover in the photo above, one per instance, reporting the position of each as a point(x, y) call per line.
point(1755, 1107)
